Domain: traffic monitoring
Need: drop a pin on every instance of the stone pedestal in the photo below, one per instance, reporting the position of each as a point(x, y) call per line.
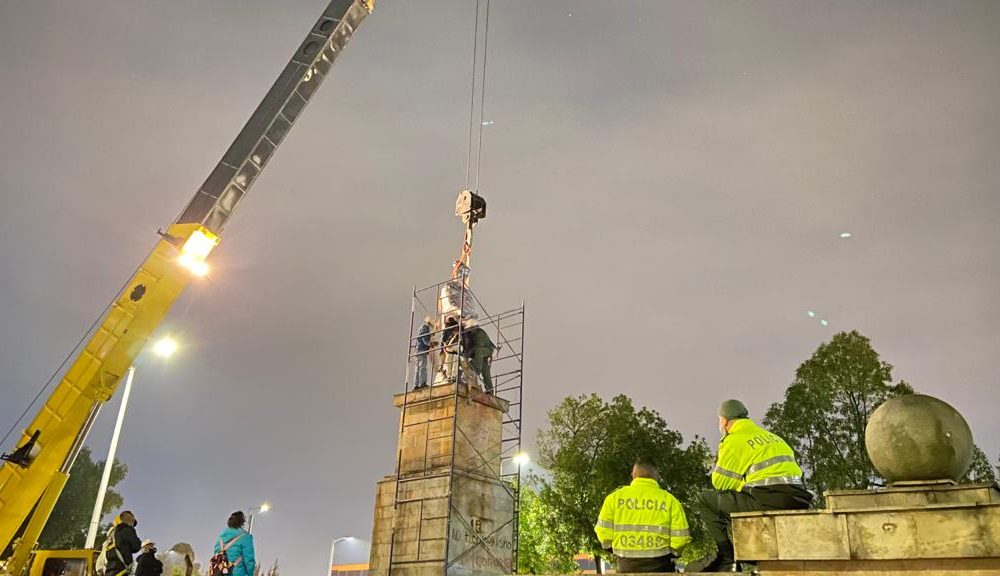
point(907, 529)
point(453, 515)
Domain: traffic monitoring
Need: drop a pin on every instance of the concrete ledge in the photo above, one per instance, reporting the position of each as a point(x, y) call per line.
point(942, 531)
point(432, 393)
point(939, 567)
point(913, 494)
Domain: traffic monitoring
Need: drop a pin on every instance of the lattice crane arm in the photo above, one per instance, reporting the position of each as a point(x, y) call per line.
point(36, 470)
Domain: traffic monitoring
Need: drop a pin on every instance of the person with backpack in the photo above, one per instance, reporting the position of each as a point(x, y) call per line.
point(146, 563)
point(122, 543)
point(101, 566)
point(234, 555)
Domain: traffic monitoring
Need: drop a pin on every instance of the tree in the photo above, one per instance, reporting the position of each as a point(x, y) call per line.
point(70, 519)
point(980, 471)
point(538, 549)
point(590, 446)
point(826, 409)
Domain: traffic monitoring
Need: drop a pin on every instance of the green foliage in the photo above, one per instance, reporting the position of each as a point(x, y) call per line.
point(826, 409)
point(590, 446)
point(980, 471)
point(67, 526)
point(538, 549)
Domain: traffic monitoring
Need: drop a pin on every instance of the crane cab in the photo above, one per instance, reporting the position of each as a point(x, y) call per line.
point(63, 563)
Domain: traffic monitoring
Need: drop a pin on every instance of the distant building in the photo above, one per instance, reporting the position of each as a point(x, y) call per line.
point(349, 569)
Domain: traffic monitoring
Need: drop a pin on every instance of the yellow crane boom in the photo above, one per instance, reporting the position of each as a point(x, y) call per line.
point(34, 473)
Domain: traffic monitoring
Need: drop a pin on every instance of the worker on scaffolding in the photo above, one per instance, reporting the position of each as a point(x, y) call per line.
point(479, 349)
point(451, 343)
point(421, 352)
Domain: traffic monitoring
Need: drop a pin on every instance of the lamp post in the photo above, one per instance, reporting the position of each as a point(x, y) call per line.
point(263, 508)
point(333, 547)
point(164, 348)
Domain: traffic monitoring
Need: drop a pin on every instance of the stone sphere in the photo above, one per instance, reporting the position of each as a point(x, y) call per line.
point(918, 437)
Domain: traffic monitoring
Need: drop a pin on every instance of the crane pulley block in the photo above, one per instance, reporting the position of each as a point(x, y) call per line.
point(471, 207)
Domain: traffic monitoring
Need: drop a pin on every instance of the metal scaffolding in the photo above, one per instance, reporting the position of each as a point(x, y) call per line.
point(478, 466)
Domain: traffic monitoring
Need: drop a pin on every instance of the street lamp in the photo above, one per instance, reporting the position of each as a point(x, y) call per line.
point(164, 348)
point(333, 547)
point(263, 508)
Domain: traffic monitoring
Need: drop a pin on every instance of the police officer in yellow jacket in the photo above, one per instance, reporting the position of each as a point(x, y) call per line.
point(642, 524)
point(755, 470)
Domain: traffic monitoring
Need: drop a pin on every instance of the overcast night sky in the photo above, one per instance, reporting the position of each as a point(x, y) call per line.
point(668, 183)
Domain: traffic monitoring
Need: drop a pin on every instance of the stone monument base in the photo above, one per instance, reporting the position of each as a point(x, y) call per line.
point(914, 528)
point(447, 511)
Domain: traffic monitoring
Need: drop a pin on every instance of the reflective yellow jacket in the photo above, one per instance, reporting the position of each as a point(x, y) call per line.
point(642, 520)
point(752, 456)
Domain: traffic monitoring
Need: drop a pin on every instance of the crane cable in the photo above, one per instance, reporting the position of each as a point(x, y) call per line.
point(71, 355)
point(469, 180)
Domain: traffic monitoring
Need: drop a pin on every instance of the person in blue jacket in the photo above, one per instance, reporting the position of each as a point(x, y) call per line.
point(238, 544)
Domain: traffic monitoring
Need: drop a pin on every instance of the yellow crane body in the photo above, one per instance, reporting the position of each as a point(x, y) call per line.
point(90, 381)
point(35, 472)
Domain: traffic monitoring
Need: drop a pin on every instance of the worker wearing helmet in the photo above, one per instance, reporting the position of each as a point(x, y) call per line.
point(755, 470)
point(123, 543)
point(642, 524)
point(146, 563)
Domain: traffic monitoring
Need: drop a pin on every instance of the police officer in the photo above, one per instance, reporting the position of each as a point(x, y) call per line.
point(755, 470)
point(642, 524)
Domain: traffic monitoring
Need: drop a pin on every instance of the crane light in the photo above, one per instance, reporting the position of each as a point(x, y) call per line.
point(196, 249)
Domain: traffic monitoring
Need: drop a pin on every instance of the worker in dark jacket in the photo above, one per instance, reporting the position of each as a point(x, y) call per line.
point(125, 543)
point(146, 563)
point(480, 353)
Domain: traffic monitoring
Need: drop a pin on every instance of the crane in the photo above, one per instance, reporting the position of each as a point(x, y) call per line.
point(34, 473)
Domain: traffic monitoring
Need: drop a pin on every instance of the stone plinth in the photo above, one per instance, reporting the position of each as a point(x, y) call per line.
point(428, 425)
point(449, 459)
point(915, 495)
point(933, 528)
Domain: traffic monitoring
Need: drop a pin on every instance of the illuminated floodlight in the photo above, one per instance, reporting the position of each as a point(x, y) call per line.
point(811, 314)
point(845, 234)
point(824, 322)
point(521, 458)
point(196, 249)
point(197, 268)
point(265, 507)
point(165, 347)
point(200, 244)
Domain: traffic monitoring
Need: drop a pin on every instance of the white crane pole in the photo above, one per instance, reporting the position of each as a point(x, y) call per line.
point(95, 518)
